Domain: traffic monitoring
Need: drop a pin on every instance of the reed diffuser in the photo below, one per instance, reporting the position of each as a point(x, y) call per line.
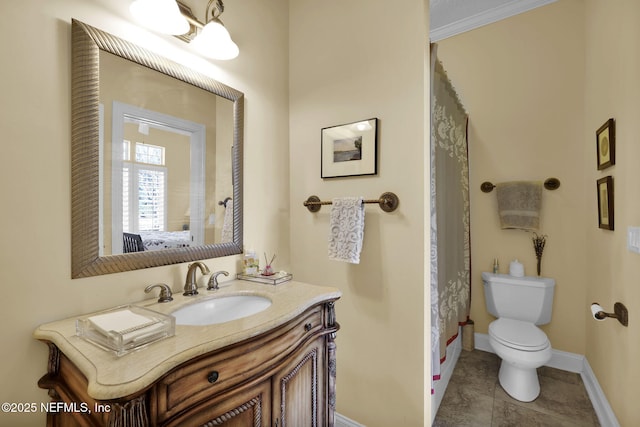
point(538, 247)
point(268, 269)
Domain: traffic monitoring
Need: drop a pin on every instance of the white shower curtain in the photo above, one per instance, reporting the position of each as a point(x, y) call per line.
point(450, 246)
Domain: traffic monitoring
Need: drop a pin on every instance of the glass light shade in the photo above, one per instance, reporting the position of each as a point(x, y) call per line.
point(162, 16)
point(215, 42)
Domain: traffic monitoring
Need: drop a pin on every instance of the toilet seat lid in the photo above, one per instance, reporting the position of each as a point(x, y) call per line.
point(518, 334)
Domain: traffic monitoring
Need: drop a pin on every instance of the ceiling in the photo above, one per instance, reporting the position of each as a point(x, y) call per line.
point(451, 17)
point(448, 17)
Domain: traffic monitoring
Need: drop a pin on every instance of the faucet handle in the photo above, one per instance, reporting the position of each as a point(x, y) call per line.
point(165, 292)
point(213, 280)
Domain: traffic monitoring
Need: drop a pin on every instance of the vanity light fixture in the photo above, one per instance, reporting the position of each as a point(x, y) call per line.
point(162, 16)
point(210, 39)
point(214, 40)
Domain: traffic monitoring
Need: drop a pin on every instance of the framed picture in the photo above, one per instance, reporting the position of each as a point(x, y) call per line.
point(350, 149)
point(605, 203)
point(606, 144)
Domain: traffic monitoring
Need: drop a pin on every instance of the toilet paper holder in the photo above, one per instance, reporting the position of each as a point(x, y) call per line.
point(620, 312)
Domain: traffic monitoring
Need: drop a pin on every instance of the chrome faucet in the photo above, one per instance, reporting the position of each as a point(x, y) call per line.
point(213, 280)
point(190, 285)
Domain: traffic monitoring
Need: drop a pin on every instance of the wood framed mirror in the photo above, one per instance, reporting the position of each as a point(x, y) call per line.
point(96, 247)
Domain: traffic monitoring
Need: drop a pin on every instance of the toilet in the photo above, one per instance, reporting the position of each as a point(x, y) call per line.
point(519, 303)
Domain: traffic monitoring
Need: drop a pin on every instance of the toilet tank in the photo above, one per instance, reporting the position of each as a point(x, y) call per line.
point(522, 298)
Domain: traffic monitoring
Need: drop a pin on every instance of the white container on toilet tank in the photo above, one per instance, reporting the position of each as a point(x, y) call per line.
point(516, 269)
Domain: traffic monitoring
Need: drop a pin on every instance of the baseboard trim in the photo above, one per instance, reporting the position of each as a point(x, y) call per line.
point(566, 361)
point(576, 363)
point(599, 401)
point(482, 342)
point(342, 421)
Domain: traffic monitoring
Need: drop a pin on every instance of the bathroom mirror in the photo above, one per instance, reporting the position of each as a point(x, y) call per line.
point(205, 123)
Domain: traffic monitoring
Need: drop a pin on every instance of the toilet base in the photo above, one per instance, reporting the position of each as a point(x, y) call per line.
point(520, 383)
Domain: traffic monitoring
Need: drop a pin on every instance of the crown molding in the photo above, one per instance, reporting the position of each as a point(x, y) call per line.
point(503, 11)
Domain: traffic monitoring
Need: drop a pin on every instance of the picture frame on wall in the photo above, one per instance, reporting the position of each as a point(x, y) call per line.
point(606, 144)
point(350, 149)
point(605, 203)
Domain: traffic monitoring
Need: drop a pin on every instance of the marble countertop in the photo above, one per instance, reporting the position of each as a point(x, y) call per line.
point(110, 376)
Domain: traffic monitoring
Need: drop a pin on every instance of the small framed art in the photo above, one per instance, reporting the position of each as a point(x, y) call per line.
point(605, 203)
point(606, 144)
point(350, 149)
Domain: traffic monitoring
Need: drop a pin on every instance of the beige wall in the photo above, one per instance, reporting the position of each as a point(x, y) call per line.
point(222, 186)
point(347, 66)
point(612, 90)
point(522, 82)
point(35, 122)
point(545, 110)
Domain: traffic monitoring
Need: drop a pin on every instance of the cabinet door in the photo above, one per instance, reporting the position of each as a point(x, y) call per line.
point(249, 406)
point(300, 390)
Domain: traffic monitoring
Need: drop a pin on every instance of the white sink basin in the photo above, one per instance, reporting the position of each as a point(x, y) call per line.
point(220, 310)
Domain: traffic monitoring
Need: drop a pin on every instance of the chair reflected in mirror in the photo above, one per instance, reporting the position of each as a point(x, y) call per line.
point(132, 243)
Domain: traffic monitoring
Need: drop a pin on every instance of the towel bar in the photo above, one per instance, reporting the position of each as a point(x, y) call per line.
point(549, 184)
point(388, 202)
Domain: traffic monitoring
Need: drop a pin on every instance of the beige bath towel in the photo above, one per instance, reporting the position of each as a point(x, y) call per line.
point(519, 204)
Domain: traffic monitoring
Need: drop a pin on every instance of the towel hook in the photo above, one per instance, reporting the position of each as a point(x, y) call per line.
point(224, 202)
point(549, 184)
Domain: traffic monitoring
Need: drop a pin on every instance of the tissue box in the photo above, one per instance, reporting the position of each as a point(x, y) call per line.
point(125, 328)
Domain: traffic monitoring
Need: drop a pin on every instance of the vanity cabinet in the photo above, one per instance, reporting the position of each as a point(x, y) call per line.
point(283, 377)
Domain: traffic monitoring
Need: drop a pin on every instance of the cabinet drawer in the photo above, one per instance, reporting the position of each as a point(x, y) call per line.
point(247, 406)
point(218, 371)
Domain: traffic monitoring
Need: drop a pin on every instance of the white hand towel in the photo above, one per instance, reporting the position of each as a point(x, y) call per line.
point(120, 321)
point(130, 325)
point(227, 223)
point(346, 229)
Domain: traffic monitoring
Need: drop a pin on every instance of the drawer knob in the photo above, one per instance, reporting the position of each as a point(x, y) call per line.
point(308, 326)
point(213, 377)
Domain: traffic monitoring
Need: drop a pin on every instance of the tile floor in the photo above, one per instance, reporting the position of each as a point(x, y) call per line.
point(474, 397)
